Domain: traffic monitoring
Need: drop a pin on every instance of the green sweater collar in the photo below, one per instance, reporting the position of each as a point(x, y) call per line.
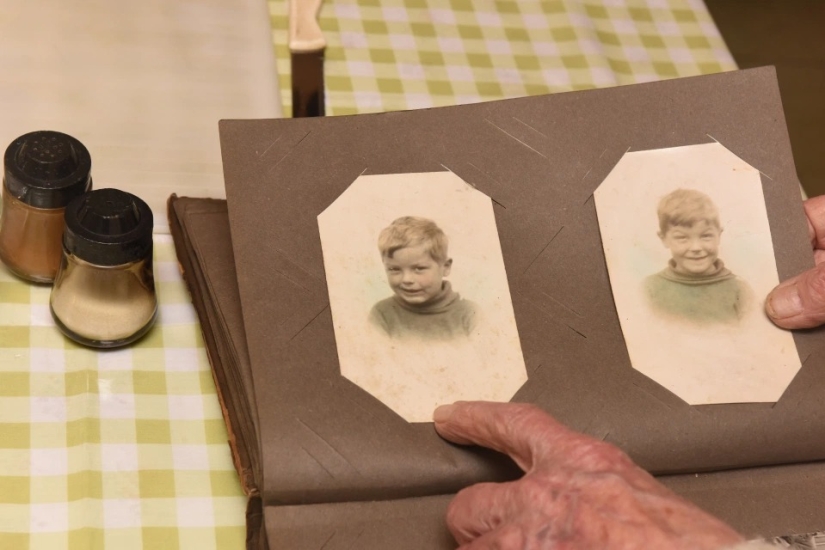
point(438, 304)
point(719, 273)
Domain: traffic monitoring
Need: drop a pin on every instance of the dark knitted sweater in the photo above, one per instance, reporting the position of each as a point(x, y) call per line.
point(444, 317)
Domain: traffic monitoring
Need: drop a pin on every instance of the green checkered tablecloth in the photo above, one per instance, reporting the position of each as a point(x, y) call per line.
point(126, 449)
point(385, 55)
point(118, 449)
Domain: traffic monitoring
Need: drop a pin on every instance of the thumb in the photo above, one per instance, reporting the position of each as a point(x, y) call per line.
point(519, 430)
point(799, 302)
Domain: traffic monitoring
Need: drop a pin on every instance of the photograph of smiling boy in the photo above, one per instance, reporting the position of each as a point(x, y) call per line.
point(414, 251)
point(695, 286)
point(403, 333)
point(690, 256)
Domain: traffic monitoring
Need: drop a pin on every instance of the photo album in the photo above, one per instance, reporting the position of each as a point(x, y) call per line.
point(603, 254)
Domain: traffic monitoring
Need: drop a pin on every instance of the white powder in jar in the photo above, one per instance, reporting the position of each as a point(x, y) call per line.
point(104, 303)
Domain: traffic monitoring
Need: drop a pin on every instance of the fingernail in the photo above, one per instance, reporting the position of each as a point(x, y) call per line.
point(443, 413)
point(784, 302)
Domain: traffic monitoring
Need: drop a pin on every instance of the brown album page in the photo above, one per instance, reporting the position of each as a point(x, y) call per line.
point(758, 501)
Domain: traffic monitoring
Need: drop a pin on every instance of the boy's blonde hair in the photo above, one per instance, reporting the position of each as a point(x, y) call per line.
point(685, 207)
point(413, 231)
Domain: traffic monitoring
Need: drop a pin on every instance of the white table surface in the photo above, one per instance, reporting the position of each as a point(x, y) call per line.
point(142, 84)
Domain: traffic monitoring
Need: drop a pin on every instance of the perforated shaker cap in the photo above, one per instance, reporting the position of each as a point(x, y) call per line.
point(47, 169)
point(108, 227)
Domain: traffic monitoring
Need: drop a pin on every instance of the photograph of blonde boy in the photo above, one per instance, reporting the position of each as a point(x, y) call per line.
point(695, 285)
point(398, 250)
point(690, 256)
point(414, 252)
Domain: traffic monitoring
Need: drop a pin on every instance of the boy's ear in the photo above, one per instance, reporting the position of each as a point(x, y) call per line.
point(447, 265)
point(661, 236)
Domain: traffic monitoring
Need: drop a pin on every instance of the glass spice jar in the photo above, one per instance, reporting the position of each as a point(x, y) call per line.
point(43, 171)
point(104, 293)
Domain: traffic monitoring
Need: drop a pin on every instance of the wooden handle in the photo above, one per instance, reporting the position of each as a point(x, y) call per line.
point(304, 33)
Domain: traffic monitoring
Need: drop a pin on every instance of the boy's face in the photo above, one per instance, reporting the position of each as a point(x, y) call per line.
point(414, 275)
point(694, 249)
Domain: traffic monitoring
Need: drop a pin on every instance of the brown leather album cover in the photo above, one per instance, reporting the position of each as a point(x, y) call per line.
point(318, 446)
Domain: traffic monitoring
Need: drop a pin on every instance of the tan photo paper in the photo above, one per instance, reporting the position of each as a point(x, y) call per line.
point(690, 257)
point(419, 294)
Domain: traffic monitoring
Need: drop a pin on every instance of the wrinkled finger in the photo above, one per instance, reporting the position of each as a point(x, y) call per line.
point(799, 302)
point(815, 211)
point(819, 256)
point(508, 537)
point(477, 510)
point(522, 431)
point(531, 532)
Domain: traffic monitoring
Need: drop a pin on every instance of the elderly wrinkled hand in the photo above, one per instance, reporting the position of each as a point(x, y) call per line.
point(577, 492)
point(799, 302)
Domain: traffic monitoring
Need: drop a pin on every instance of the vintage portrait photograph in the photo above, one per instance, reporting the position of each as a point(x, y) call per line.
point(695, 286)
point(689, 253)
point(415, 255)
point(419, 293)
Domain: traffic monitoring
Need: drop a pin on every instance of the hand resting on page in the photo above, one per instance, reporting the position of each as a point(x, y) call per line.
point(581, 493)
point(577, 493)
point(799, 302)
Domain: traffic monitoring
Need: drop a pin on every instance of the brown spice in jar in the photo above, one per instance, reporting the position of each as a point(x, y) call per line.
point(30, 239)
point(42, 172)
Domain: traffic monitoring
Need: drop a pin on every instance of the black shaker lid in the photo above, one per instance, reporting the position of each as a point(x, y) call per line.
point(47, 169)
point(108, 227)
